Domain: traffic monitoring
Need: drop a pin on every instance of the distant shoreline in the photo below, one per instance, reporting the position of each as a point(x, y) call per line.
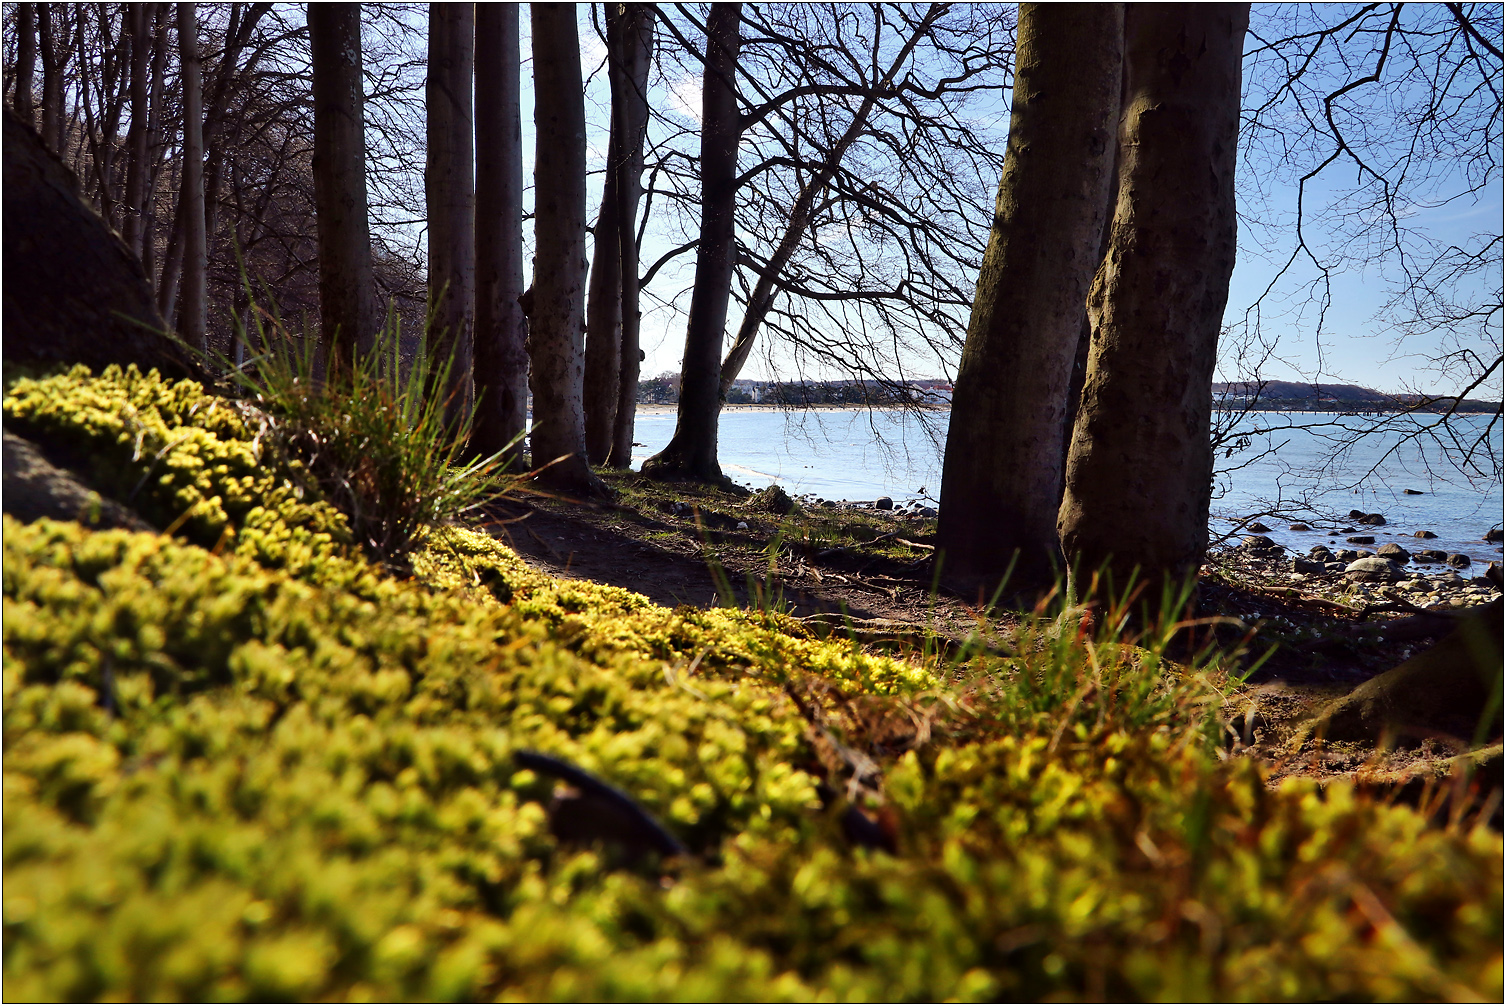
point(1468, 408)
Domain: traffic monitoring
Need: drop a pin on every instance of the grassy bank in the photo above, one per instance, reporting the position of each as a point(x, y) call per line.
point(244, 761)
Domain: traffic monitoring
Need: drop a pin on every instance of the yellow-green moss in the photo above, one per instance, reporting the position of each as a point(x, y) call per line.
point(230, 776)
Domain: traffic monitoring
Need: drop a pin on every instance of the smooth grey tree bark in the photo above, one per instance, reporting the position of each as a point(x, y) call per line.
point(691, 452)
point(48, 26)
point(556, 321)
point(138, 27)
point(604, 307)
point(501, 373)
point(1002, 474)
point(192, 318)
point(630, 32)
point(347, 290)
point(1140, 464)
point(450, 191)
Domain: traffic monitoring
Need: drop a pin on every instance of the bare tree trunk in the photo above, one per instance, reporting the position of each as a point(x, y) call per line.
point(26, 62)
point(1002, 475)
point(133, 227)
point(1140, 466)
point(154, 145)
point(501, 373)
point(449, 183)
point(691, 452)
point(604, 309)
point(559, 273)
point(52, 77)
point(634, 24)
point(192, 319)
point(243, 21)
point(347, 293)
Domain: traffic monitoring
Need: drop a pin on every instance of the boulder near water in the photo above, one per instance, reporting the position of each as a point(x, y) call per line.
point(1423, 534)
point(1374, 569)
point(1394, 552)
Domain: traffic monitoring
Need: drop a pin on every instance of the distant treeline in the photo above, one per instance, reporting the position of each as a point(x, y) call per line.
point(1290, 396)
point(665, 390)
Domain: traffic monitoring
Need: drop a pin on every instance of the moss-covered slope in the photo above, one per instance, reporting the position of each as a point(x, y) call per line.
point(240, 763)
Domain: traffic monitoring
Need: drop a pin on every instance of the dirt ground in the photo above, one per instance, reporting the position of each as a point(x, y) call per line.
point(870, 573)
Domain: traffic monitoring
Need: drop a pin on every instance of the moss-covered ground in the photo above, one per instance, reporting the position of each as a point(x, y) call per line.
point(242, 762)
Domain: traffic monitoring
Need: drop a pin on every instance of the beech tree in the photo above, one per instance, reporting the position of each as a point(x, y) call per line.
point(691, 452)
point(193, 318)
point(449, 182)
point(556, 320)
point(1002, 474)
point(24, 102)
point(501, 373)
point(1139, 466)
point(347, 297)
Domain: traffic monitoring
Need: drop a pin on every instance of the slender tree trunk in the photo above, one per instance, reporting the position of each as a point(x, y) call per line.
point(501, 373)
point(635, 27)
point(450, 189)
point(347, 293)
point(556, 321)
point(52, 77)
point(1002, 475)
point(1140, 466)
point(604, 308)
point(138, 17)
point(159, 13)
point(243, 21)
point(192, 323)
point(691, 452)
point(26, 62)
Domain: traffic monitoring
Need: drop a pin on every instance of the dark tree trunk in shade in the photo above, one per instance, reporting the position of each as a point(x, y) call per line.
point(449, 184)
point(192, 318)
point(501, 367)
point(604, 309)
point(26, 63)
point(557, 320)
point(691, 452)
point(1140, 463)
point(347, 291)
point(52, 74)
point(1002, 475)
point(632, 27)
point(139, 28)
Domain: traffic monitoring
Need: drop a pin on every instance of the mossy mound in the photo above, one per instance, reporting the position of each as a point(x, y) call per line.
point(229, 776)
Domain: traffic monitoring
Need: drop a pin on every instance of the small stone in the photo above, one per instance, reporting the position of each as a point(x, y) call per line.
point(1258, 528)
point(1320, 553)
point(1373, 518)
point(1373, 570)
point(1347, 555)
point(1334, 567)
point(1429, 555)
point(1356, 514)
point(883, 503)
point(1458, 560)
point(1493, 535)
point(1484, 583)
point(1413, 492)
point(742, 525)
point(1299, 527)
point(1308, 566)
point(1493, 573)
point(1394, 552)
point(1423, 534)
point(1259, 543)
point(1365, 553)
point(1361, 539)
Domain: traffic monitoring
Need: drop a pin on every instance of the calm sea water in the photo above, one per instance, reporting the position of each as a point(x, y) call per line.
point(856, 454)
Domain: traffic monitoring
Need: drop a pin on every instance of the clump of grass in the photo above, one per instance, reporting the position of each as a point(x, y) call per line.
point(374, 438)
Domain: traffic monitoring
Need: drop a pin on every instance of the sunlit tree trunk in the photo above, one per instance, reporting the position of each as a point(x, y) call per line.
point(557, 319)
point(501, 329)
point(347, 294)
point(1140, 465)
point(604, 308)
point(192, 320)
point(691, 452)
point(1002, 475)
point(634, 30)
point(449, 181)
